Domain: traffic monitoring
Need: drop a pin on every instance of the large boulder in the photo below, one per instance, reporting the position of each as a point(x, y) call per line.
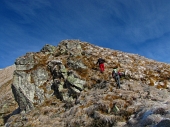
point(28, 87)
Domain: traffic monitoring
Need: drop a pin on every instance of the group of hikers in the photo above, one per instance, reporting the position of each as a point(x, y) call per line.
point(115, 73)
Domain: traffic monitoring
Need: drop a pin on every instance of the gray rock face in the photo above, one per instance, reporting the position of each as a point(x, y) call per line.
point(39, 76)
point(48, 48)
point(70, 47)
point(65, 82)
point(27, 87)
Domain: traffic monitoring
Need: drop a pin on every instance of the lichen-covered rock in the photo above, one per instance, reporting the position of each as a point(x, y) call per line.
point(48, 48)
point(75, 82)
point(37, 74)
point(27, 87)
point(26, 62)
point(69, 47)
point(66, 85)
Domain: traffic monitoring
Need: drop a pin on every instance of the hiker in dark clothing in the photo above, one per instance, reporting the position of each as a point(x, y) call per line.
point(116, 76)
point(101, 61)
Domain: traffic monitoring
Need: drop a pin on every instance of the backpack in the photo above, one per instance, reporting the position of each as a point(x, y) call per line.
point(115, 73)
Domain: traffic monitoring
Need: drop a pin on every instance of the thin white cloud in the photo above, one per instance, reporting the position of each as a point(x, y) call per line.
point(150, 20)
point(26, 7)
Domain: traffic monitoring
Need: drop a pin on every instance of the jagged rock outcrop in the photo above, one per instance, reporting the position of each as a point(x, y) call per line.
point(40, 75)
point(65, 82)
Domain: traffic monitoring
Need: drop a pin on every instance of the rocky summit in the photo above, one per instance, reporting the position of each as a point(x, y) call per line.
point(62, 86)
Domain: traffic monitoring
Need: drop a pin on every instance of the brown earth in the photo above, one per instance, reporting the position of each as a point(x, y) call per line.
point(7, 101)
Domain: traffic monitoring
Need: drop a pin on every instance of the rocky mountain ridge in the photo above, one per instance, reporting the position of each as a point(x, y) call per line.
point(62, 86)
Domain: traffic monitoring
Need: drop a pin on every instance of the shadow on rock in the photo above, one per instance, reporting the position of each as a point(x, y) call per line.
point(16, 111)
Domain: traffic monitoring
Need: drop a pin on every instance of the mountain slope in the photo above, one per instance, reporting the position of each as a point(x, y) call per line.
point(62, 86)
point(8, 104)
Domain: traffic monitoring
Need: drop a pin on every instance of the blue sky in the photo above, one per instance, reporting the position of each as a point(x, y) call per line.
point(134, 26)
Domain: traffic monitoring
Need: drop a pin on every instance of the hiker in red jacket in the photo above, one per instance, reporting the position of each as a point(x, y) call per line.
point(101, 61)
